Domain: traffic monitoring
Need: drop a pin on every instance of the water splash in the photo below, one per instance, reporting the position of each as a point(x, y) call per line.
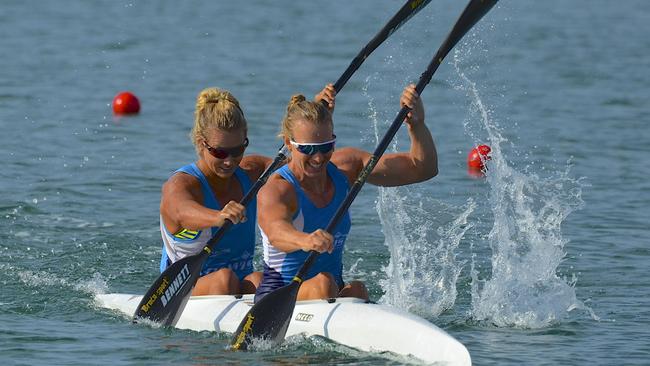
point(41, 279)
point(526, 240)
point(423, 267)
point(422, 238)
point(259, 344)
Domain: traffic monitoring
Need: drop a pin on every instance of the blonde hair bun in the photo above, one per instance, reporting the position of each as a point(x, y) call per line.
point(299, 108)
point(216, 109)
point(295, 99)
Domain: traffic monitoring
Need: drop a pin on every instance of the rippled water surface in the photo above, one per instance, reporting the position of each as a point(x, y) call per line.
point(544, 261)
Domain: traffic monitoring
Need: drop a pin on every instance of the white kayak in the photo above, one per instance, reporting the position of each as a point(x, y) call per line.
point(349, 321)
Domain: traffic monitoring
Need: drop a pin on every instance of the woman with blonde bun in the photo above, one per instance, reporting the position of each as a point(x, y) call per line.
point(298, 201)
point(199, 197)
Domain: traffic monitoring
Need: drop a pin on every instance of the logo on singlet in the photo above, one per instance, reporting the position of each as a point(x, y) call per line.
point(339, 240)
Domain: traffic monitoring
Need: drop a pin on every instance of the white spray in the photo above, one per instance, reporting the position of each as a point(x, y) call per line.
point(423, 269)
point(526, 241)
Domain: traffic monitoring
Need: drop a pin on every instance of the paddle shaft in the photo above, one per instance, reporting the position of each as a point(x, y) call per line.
point(474, 11)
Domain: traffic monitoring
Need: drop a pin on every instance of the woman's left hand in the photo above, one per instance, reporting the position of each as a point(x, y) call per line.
point(411, 99)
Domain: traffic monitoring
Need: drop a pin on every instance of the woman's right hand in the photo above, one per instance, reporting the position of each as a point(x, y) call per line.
point(328, 94)
point(320, 241)
point(233, 211)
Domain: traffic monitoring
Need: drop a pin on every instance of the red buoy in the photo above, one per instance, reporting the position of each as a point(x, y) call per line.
point(126, 103)
point(478, 156)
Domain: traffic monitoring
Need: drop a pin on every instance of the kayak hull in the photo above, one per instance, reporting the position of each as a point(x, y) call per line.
point(349, 321)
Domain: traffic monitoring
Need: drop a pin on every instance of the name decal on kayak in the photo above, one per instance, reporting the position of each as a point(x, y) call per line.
point(302, 317)
point(179, 281)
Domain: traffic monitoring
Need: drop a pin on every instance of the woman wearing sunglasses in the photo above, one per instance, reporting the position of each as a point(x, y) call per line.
point(199, 197)
point(298, 201)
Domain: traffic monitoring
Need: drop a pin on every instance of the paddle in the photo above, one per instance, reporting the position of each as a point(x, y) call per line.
point(269, 318)
point(166, 298)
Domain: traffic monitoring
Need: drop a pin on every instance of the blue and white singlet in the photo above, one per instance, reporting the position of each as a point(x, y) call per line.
point(279, 266)
point(234, 250)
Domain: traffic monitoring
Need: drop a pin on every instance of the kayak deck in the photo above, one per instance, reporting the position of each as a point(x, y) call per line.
point(349, 321)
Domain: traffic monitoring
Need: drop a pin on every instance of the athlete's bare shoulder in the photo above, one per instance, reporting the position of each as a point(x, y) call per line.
point(277, 192)
point(181, 184)
point(350, 161)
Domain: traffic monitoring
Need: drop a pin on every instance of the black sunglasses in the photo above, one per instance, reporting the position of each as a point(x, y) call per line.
point(222, 153)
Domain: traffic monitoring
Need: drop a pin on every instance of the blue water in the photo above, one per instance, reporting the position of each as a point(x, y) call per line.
point(543, 261)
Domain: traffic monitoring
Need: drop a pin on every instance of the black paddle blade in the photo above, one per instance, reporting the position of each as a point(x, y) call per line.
point(268, 319)
point(166, 298)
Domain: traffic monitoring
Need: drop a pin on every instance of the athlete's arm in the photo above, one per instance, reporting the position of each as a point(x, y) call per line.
point(276, 205)
point(396, 169)
point(180, 206)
